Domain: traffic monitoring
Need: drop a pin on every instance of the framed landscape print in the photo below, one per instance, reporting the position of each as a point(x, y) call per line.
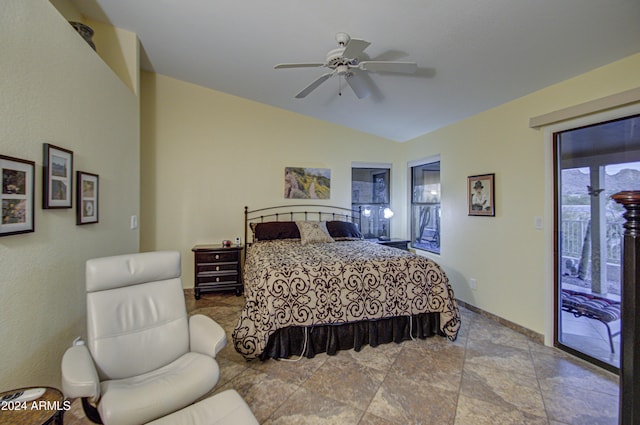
point(87, 198)
point(16, 196)
point(480, 195)
point(57, 177)
point(307, 183)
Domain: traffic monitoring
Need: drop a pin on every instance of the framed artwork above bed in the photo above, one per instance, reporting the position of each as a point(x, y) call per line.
point(307, 183)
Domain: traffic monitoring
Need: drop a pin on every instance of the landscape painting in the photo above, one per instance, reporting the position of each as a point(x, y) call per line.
point(307, 183)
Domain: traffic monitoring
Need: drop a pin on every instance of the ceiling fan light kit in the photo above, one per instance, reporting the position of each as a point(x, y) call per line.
point(344, 62)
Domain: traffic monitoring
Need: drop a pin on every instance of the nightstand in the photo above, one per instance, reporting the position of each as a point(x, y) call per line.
point(217, 268)
point(393, 242)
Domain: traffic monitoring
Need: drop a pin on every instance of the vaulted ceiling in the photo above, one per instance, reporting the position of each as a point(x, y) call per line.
point(472, 55)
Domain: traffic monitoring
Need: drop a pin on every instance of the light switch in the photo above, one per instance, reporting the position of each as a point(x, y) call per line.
point(134, 222)
point(538, 222)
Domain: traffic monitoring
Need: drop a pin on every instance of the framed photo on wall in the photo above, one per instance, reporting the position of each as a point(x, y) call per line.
point(87, 198)
point(307, 183)
point(480, 195)
point(57, 176)
point(16, 196)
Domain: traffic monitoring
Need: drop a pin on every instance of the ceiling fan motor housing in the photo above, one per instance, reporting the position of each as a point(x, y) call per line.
point(342, 38)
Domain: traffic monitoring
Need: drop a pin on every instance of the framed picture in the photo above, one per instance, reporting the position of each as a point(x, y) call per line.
point(480, 195)
point(17, 196)
point(87, 198)
point(57, 177)
point(307, 183)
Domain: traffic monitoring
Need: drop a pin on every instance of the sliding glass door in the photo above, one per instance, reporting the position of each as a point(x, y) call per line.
point(591, 164)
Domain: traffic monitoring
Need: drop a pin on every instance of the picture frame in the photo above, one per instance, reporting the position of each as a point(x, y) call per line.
point(17, 188)
point(480, 195)
point(307, 183)
point(57, 176)
point(87, 197)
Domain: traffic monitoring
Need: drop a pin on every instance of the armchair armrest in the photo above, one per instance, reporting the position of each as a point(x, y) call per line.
point(79, 374)
point(206, 336)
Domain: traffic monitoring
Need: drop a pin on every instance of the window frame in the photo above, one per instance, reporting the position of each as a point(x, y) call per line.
point(374, 233)
point(411, 165)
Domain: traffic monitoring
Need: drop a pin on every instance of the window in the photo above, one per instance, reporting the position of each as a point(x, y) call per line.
point(370, 194)
point(425, 206)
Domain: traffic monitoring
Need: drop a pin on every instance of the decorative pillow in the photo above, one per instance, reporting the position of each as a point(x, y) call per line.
point(313, 232)
point(343, 230)
point(271, 230)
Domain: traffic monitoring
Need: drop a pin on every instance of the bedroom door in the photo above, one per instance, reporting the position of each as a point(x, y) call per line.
point(591, 164)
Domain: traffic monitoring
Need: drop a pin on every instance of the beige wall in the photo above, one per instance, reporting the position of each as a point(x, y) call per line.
point(55, 89)
point(507, 255)
point(205, 155)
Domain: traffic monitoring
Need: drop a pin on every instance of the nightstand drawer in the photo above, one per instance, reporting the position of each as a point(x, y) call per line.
point(215, 277)
point(216, 267)
point(217, 257)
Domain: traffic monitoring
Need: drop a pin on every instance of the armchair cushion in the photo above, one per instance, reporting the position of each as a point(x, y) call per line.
point(143, 398)
point(206, 336)
point(79, 375)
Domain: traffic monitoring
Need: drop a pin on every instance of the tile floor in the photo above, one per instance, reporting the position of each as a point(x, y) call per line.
point(490, 375)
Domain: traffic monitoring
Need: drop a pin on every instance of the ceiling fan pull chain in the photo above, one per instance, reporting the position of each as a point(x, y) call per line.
point(339, 86)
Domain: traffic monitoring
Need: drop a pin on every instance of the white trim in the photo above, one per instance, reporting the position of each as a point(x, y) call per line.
point(586, 109)
point(410, 165)
point(357, 164)
point(549, 130)
point(422, 161)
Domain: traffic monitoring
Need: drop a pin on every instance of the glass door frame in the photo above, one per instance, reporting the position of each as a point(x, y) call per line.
point(561, 120)
point(552, 152)
point(557, 259)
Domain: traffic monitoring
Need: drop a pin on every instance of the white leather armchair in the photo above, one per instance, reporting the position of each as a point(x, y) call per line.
point(143, 358)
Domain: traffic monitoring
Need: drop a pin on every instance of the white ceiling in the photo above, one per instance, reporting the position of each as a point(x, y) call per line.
point(472, 55)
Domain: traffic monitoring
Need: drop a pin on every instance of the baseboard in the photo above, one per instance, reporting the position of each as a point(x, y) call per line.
point(535, 336)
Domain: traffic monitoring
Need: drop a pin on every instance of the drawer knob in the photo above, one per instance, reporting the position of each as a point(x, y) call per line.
point(217, 268)
point(217, 256)
point(217, 279)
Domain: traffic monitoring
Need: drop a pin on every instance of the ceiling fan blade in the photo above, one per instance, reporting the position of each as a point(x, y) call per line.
point(382, 66)
point(358, 85)
point(354, 48)
point(298, 65)
point(311, 87)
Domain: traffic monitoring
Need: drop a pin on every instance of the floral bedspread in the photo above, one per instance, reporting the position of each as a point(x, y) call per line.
point(290, 284)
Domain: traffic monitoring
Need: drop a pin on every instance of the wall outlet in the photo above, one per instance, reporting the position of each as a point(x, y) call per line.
point(473, 284)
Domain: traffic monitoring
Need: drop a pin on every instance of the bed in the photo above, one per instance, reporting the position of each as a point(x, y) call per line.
point(313, 285)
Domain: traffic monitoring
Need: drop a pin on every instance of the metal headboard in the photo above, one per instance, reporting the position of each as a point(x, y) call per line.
point(299, 213)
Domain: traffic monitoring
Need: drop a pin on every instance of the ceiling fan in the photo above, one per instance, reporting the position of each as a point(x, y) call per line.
point(344, 62)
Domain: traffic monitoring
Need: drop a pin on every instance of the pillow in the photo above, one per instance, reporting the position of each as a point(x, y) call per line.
point(343, 229)
point(313, 232)
point(275, 230)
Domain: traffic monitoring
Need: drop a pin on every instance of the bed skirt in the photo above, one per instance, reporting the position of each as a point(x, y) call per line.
point(330, 339)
